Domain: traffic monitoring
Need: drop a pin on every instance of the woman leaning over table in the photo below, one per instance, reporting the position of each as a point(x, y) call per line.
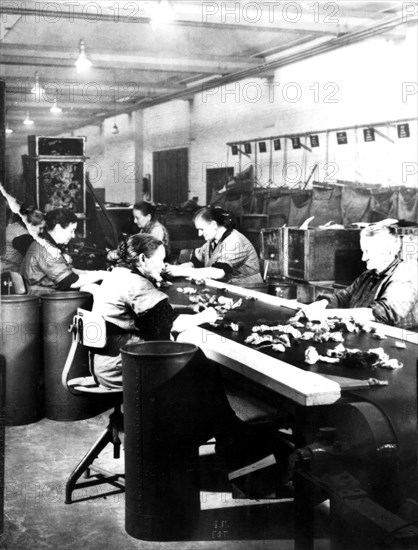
point(227, 254)
point(46, 269)
point(135, 310)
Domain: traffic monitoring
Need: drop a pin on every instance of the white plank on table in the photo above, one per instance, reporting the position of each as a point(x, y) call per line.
point(303, 387)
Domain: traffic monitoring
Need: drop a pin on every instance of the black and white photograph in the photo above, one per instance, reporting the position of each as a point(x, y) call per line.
point(209, 275)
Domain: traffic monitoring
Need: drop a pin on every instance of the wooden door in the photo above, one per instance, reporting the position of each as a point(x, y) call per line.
point(171, 176)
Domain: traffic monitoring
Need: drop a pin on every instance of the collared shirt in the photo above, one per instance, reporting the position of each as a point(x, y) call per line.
point(234, 254)
point(391, 294)
point(45, 269)
point(213, 245)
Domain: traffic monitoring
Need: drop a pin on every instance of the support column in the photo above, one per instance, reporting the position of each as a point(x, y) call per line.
point(139, 153)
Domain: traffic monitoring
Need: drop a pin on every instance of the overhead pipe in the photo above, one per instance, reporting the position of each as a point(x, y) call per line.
point(73, 15)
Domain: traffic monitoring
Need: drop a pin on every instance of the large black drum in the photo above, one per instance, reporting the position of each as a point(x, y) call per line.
point(58, 310)
point(22, 350)
point(161, 462)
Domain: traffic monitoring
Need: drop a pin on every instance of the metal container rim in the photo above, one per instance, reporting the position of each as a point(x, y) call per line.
point(18, 298)
point(186, 347)
point(65, 295)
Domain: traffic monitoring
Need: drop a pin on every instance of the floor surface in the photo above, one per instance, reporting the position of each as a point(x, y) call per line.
point(39, 458)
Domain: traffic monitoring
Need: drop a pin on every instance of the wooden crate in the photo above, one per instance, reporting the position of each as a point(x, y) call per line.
point(322, 255)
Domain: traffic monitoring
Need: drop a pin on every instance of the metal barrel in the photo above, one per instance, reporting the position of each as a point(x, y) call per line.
point(162, 500)
point(22, 350)
point(58, 310)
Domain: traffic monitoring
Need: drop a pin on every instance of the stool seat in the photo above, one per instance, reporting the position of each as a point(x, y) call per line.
point(89, 329)
point(87, 384)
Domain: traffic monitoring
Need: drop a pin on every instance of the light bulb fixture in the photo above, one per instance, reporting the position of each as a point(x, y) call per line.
point(115, 129)
point(28, 121)
point(161, 14)
point(8, 130)
point(37, 88)
point(55, 109)
point(82, 62)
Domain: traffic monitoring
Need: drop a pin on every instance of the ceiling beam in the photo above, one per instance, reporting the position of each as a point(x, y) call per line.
point(137, 90)
point(17, 54)
point(328, 45)
point(261, 16)
point(69, 74)
point(44, 117)
point(21, 106)
point(90, 91)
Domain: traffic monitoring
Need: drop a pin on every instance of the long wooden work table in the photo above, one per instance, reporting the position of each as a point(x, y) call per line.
point(322, 386)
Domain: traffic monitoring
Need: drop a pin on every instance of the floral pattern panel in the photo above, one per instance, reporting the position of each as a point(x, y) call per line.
point(61, 186)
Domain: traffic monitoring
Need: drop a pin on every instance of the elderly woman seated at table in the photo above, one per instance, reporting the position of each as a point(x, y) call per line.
point(227, 254)
point(45, 268)
point(386, 292)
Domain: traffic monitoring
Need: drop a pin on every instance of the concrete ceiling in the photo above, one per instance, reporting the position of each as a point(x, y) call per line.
point(136, 64)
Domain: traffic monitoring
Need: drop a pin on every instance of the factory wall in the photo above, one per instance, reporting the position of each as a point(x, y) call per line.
point(357, 85)
point(112, 162)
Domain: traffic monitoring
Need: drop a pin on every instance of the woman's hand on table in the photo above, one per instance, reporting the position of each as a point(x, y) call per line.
point(181, 270)
point(172, 270)
point(112, 256)
point(185, 322)
point(315, 311)
point(182, 323)
point(362, 315)
point(208, 315)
